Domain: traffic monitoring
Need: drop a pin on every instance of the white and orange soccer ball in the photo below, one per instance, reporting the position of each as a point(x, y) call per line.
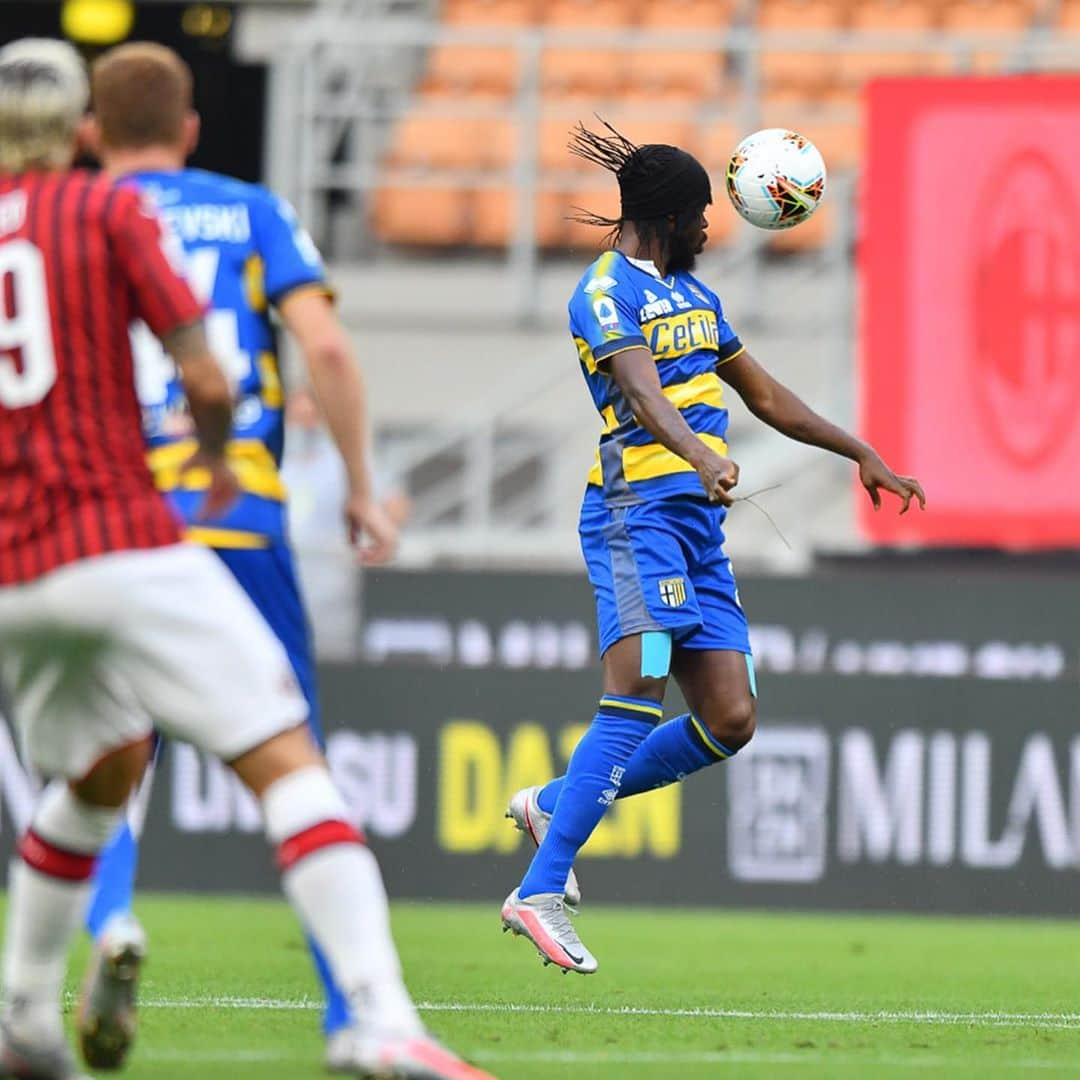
point(776, 178)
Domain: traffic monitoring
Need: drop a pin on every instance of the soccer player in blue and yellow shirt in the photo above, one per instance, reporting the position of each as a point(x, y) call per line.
point(245, 253)
point(655, 350)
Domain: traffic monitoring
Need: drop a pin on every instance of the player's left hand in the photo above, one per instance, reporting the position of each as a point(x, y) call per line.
point(876, 475)
point(371, 531)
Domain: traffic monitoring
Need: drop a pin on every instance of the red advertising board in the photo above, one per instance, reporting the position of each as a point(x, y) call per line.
point(969, 269)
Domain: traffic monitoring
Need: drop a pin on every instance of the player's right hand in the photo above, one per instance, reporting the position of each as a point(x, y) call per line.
point(223, 488)
point(371, 530)
point(718, 475)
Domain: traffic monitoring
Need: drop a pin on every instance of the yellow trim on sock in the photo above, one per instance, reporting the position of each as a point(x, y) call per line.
point(652, 710)
point(705, 738)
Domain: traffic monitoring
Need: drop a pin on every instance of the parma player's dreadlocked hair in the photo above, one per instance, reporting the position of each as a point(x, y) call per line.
point(657, 182)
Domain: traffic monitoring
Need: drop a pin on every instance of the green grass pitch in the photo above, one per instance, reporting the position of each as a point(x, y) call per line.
point(228, 993)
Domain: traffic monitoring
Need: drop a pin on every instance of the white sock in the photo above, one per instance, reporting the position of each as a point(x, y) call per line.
point(48, 888)
point(333, 882)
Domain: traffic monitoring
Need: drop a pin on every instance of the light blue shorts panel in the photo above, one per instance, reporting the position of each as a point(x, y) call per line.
point(660, 565)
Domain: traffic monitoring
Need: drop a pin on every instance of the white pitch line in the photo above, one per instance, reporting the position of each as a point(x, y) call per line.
point(735, 1057)
point(634, 1058)
point(1069, 1021)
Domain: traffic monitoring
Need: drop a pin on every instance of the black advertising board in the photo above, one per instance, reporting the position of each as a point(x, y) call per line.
point(918, 749)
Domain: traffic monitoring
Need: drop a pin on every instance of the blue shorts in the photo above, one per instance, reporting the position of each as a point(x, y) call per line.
point(661, 565)
point(268, 576)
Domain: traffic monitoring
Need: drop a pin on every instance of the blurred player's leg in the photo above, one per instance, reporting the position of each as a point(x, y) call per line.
point(47, 893)
point(176, 637)
point(114, 880)
point(334, 884)
point(222, 681)
point(117, 867)
point(268, 576)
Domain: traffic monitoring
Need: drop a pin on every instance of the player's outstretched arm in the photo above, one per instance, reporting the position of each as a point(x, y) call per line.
point(210, 401)
point(338, 386)
point(773, 403)
point(634, 370)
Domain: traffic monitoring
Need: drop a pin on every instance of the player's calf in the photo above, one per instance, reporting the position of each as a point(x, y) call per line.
point(330, 877)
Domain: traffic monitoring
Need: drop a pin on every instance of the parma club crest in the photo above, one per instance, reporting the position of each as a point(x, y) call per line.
point(673, 591)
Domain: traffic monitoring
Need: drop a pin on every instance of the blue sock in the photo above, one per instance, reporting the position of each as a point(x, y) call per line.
point(671, 752)
point(336, 1015)
point(590, 786)
point(114, 880)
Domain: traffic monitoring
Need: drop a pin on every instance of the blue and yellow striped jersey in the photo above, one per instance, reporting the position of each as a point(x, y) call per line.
point(622, 303)
point(244, 250)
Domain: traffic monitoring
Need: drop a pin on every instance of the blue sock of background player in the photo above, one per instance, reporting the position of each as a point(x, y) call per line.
point(114, 881)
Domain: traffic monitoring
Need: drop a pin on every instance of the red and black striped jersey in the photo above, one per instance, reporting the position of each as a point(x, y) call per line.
point(80, 259)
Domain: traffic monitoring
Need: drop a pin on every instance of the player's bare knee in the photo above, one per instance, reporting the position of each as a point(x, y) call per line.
point(732, 722)
point(268, 762)
point(111, 781)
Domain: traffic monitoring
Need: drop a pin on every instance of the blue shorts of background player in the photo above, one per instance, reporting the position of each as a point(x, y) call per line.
point(268, 576)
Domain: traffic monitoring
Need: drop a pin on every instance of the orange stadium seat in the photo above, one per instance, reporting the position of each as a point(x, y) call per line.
point(688, 14)
point(564, 71)
point(433, 141)
point(978, 16)
point(717, 141)
point(471, 69)
point(675, 132)
point(802, 14)
point(497, 141)
point(1069, 16)
point(884, 16)
point(489, 12)
point(800, 68)
point(585, 239)
point(436, 217)
point(790, 105)
point(552, 151)
point(494, 213)
point(697, 75)
point(588, 13)
point(811, 235)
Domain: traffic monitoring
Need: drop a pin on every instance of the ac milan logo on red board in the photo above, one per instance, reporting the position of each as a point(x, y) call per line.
point(1026, 307)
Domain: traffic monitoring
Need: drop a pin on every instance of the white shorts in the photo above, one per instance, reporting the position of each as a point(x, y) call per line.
point(98, 653)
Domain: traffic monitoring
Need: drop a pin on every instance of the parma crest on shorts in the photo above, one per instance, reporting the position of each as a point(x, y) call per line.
point(673, 591)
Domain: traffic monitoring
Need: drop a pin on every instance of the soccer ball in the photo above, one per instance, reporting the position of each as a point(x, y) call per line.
point(776, 178)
